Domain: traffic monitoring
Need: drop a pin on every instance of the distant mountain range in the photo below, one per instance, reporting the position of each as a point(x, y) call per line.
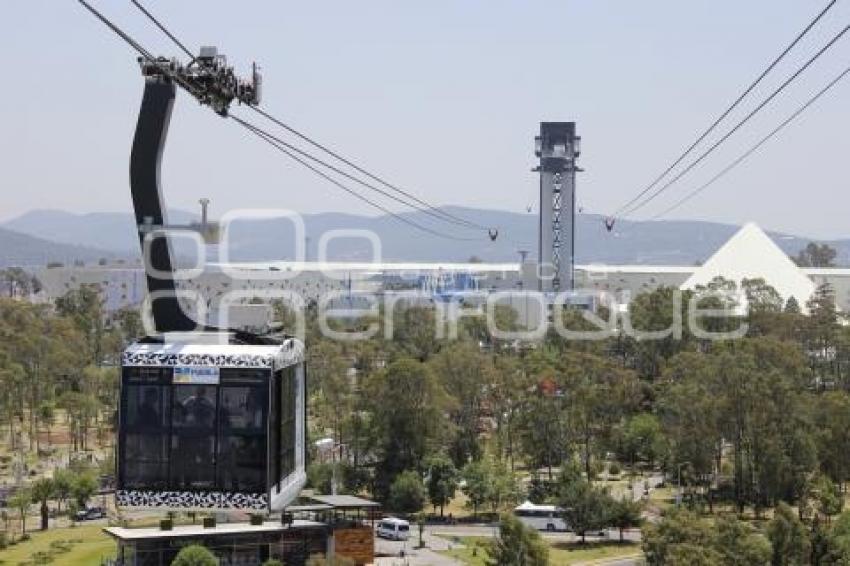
point(24, 250)
point(49, 235)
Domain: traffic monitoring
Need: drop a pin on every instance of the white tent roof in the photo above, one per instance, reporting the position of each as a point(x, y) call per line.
point(751, 254)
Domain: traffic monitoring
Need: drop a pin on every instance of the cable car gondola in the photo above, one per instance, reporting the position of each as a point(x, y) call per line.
point(209, 418)
point(205, 425)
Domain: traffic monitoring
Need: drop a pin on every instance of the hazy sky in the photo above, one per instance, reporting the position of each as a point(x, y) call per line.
point(443, 97)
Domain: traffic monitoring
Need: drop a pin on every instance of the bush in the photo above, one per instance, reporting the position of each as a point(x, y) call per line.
point(42, 557)
point(195, 555)
point(407, 494)
point(517, 544)
point(614, 469)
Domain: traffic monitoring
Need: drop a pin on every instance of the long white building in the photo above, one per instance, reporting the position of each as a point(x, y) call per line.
point(749, 254)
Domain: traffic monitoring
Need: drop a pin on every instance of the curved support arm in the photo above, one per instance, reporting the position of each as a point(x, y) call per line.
point(145, 160)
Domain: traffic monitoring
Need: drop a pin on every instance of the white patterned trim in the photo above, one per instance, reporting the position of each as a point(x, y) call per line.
point(191, 499)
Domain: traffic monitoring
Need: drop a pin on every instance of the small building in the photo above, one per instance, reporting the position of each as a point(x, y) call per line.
point(329, 526)
point(233, 543)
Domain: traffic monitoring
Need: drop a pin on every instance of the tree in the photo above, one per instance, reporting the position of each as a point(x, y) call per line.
point(761, 297)
point(63, 485)
point(442, 481)
point(129, 322)
point(740, 544)
point(643, 439)
point(42, 491)
point(84, 306)
point(406, 403)
point(598, 395)
point(747, 393)
point(21, 502)
point(332, 400)
point(832, 423)
point(477, 477)
point(47, 417)
point(687, 554)
point(19, 282)
point(586, 508)
point(681, 534)
point(195, 555)
point(84, 486)
point(517, 545)
point(816, 255)
point(792, 306)
point(625, 514)
point(464, 371)
point(414, 331)
point(543, 430)
point(407, 493)
point(503, 487)
point(789, 537)
point(834, 544)
point(829, 499)
point(320, 476)
point(678, 534)
point(823, 318)
point(656, 311)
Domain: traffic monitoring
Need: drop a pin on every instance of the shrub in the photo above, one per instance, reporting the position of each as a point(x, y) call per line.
point(42, 557)
point(195, 555)
point(614, 469)
point(408, 494)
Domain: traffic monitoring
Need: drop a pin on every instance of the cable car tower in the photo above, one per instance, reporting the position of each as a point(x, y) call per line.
point(558, 147)
point(209, 418)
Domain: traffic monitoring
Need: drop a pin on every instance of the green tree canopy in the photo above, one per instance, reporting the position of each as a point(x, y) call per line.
point(586, 507)
point(478, 478)
point(442, 481)
point(407, 493)
point(789, 537)
point(517, 545)
point(406, 402)
point(816, 255)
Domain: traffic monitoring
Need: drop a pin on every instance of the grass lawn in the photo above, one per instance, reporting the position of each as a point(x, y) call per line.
point(474, 552)
point(457, 507)
point(574, 553)
point(71, 546)
point(663, 497)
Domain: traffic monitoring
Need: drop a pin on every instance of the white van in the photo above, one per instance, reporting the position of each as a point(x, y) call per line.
point(394, 529)
point(541, 517)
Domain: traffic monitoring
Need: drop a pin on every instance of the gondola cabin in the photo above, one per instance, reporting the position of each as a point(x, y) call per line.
point(207, 423)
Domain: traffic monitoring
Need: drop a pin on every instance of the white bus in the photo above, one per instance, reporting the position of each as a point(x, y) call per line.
point(394, 529)
point(541, 517)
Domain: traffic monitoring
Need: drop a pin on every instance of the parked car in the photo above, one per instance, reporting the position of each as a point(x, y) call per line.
point(90, 514)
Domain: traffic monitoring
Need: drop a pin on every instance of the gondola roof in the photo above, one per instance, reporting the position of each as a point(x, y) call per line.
point(194, 349)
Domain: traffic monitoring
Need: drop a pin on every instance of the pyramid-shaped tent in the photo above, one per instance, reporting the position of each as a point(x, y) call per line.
point(751, 254)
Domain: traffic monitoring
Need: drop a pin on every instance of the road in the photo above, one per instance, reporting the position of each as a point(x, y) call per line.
point(444, 537)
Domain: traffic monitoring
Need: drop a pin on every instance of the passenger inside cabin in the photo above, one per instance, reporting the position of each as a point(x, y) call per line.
point(148, 415)
point(199, 409)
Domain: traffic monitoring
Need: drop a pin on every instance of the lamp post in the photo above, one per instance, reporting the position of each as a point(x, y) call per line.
point(334, 463)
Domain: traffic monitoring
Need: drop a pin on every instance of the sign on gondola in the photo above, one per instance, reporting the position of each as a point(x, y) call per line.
point(189, 375)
